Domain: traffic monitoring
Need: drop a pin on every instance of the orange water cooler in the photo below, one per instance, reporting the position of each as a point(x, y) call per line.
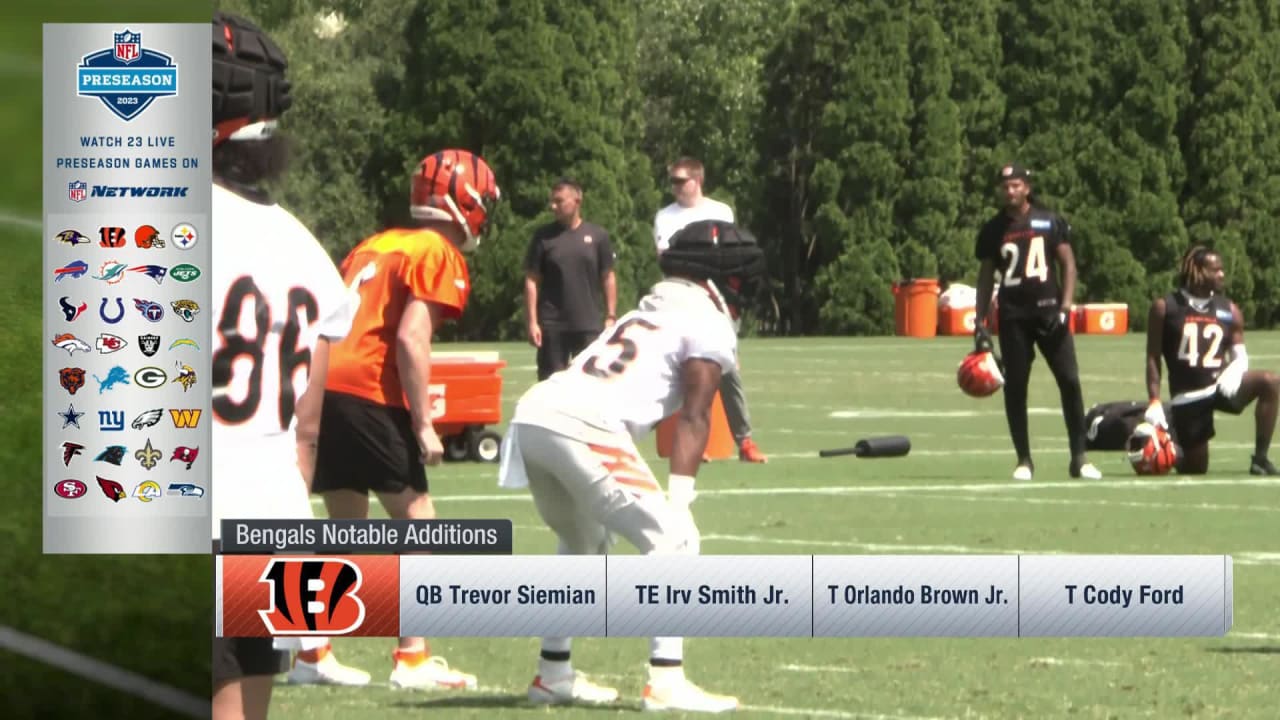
point(915, 307)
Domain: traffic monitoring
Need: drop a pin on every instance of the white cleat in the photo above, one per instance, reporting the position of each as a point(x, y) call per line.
point(1088, 471)
point(1022, 473)
point(684, 695)
point(433, 674)
point(575, 688)
point(327, 671)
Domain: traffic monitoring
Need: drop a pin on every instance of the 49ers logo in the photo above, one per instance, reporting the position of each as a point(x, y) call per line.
point(312, 596)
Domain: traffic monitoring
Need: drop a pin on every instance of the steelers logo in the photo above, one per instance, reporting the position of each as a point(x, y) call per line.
point(183, 236)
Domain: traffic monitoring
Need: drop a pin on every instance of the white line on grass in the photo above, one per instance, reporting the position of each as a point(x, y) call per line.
point(1088, 501)
point(103, 673)
point(792, 667)
point(1254, 636)
point(842, 714)
point(1047, 661)
point(14, 220)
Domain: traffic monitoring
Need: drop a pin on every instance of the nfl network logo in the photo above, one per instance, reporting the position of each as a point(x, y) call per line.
point(77, 190)
point(127, 77)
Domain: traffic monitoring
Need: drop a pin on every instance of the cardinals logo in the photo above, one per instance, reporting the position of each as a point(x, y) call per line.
point(70, 450)
point(73, 238)
point(147, 237)
point(112, 489)
point(312, 596)
point(185, 454)
point(72, 379)
point(70, 343)
point(186, 376)
point(69, 311)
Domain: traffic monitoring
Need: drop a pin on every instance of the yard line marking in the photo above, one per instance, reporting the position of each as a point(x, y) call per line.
point(843, 715)
point(88, 668)
point(1254, 635)
point(882, 413)
point(1043, 661)
point(1088, 501)
point(19, 221)
point(819, 668)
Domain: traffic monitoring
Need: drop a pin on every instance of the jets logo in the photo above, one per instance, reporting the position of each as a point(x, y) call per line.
point(312, 596)
point(186, 272)
point(112, 489)
point(70, 450)
point(111, 237)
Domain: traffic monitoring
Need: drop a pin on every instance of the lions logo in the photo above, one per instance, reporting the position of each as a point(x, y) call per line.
point(115, 376)
point(72, 379)
point(186, 376)
point(186, 309)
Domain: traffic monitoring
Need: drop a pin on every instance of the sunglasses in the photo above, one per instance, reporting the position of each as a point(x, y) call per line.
point(679, 180)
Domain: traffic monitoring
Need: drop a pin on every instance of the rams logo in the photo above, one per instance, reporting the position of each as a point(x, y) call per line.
point(312, 597)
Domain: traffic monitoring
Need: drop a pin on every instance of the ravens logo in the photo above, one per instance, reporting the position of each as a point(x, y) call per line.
point(72, 238)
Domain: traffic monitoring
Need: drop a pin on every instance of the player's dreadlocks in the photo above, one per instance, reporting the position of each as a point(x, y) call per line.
point(1191, 273)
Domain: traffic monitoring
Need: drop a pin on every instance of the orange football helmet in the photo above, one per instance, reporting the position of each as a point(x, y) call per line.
point(1152, 451)
point(455, 186)
point(979, 374)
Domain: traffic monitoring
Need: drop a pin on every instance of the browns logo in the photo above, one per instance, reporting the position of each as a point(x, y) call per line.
point(147, 237)
point(72, 379)
point(312, 597)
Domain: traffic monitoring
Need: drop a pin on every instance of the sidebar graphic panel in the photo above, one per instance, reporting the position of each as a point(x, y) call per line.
point(127, 326)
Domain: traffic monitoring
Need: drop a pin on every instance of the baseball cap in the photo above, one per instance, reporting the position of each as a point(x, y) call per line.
point(1012, 171)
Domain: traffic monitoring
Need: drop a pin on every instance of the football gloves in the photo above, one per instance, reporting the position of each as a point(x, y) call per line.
point(982, 339)
point(1232, 375)
point(1155, 414)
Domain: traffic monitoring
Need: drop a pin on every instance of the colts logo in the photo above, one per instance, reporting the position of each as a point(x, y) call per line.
point(127, 77)
point(312, 597)
point(102, 311)
point(71, 379)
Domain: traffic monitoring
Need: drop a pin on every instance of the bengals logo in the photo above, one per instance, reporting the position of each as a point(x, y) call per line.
point(312, 596)
point(111, 237)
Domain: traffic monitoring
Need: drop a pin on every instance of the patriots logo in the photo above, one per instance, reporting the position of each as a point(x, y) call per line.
point(69, 311)
point(152, 311)
point(112, 272)
point(186, 309)
point(115, 376)
point(114, 454)
point(155, 272)
point(72, 238)
point(71, 270)
point(70, 343)
point(147, 419)
point(70, 450)
point(186, 376)
point(185, 454)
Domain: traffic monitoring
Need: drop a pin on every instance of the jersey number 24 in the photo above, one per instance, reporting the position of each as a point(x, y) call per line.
point(1036, 266)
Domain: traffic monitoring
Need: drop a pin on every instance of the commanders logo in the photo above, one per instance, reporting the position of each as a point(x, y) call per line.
point(185, 418)
point(70, 450)
point(71, 379)
point(312, 596)
point(127, 77)
point(111, 489)
point(70, 489)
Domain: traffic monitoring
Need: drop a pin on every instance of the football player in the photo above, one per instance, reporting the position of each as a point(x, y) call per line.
point(571, 440)
point(1028, 245)
point(277, 300)
point(1199, 332)
point(376, 431)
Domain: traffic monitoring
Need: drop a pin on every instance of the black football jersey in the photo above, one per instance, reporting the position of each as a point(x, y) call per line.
point(1196, 342)
point(1025, 253)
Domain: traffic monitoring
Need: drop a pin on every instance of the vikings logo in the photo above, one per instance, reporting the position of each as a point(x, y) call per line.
point(186, 376)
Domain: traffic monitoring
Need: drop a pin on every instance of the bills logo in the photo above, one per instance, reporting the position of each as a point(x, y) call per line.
point(111, 489)
point(71, 270)
point(127, 77)
point(70, 489)
point(312, 596)
point(77, 190)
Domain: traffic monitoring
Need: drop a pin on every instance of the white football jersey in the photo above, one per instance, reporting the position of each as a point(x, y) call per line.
point(672, 218)
point(629, 378)
point(275, 291)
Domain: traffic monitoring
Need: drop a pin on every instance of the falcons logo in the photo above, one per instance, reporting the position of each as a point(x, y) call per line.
point(185, 454)
point(70, 450)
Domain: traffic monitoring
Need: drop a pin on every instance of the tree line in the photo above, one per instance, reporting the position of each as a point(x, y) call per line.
point(858, 140)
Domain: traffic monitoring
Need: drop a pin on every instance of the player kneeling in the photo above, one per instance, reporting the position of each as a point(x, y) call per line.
point(572, 439)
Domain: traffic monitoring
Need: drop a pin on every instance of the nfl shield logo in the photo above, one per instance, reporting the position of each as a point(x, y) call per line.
point(127, 46)
point(149, 344)
point(77, 190)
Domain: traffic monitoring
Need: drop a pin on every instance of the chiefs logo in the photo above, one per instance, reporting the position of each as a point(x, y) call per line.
point(312, 596)
point(72, 379)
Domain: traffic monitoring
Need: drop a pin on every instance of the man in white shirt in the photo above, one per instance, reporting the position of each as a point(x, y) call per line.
point(686, 176)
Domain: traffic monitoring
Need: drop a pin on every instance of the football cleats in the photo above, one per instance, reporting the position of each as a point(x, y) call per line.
point(722, 253)
point(455, 186)
point(1152, 451)
point(979, 374)
point(249, 88)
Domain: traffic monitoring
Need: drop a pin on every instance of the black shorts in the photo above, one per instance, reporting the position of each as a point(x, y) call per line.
point(365, 446)
point(1192, 423)
point(235, 658)
point(559, 347)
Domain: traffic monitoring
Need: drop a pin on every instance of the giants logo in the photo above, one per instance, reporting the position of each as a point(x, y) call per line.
point(312, 597)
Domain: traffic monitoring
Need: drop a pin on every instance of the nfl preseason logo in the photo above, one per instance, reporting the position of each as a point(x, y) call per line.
point(128, 46)
point(77, 190)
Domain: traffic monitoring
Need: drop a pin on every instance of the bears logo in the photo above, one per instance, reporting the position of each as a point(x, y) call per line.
point(71, 379)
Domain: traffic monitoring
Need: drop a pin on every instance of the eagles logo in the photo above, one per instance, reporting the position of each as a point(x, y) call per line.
point(312, 597)
point(72, 379)
point(186, 376)
point(147, 419)
point(186, 309)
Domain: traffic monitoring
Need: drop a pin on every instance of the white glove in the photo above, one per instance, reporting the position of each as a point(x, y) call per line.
point(680, 491)
point(1232, 375)
point(1155, 414)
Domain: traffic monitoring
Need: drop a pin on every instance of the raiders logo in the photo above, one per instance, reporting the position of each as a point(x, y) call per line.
point(149, 344)
point(72, 379)
point(312, 597)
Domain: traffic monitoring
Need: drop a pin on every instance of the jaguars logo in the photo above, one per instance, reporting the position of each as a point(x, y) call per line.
point(185, 309)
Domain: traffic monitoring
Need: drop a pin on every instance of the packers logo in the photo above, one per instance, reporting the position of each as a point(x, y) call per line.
point(150, 377)
point(311, 596)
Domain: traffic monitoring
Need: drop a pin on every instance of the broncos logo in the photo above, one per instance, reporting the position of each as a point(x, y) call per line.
point(116, 375)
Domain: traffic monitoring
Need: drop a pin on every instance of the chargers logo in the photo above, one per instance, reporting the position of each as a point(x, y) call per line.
point(312, 596)
point(127, 77)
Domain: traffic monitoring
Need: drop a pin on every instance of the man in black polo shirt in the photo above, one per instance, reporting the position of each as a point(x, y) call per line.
point(1028, 245)
point(567, 270)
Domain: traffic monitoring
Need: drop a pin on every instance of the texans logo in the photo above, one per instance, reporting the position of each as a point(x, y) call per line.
point(69, 311)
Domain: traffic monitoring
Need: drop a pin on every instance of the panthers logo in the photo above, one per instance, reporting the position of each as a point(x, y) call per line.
point(72, 379)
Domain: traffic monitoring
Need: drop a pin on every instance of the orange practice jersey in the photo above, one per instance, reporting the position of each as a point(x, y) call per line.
point(388, 270)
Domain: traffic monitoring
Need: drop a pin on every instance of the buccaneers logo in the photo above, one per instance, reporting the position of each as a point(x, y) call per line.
point(312, 597)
